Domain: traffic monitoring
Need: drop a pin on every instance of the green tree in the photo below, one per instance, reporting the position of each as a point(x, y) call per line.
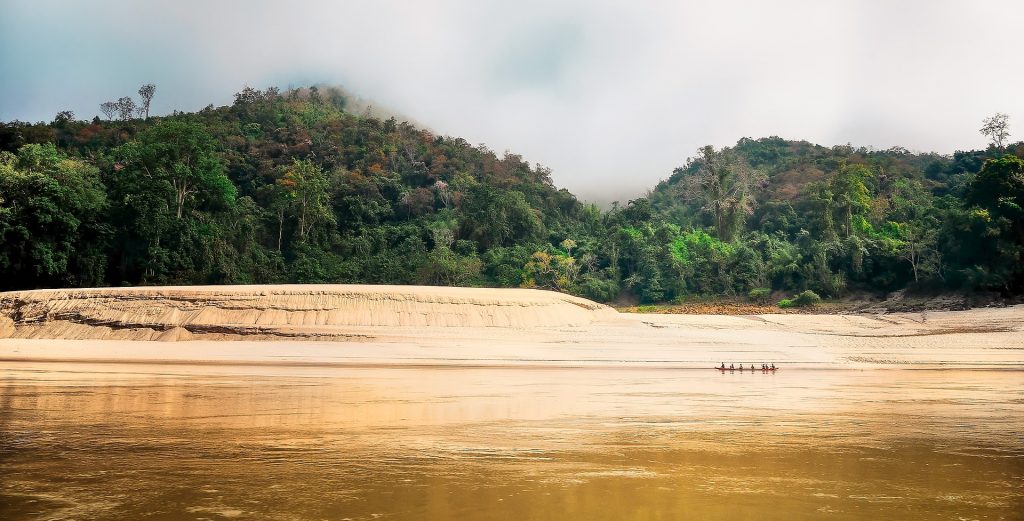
point(556, 271)
point(51, 219)
point(999, 188)
point(444, 267)
point(168, 188)
point(997, 193)
point(724, 186)
point(914, 227)
point(305, 185)
point(494, 217)
point(183, 156)
point(850, 194)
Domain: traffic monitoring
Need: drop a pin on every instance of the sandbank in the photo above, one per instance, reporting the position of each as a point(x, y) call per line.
point(475, 327)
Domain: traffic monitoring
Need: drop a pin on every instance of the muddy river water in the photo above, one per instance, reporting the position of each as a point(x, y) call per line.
point(130, 441)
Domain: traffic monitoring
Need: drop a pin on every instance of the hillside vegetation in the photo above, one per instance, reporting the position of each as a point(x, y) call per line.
point(291, 187)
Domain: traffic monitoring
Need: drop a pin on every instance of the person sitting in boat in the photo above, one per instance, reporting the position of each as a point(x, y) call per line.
point(773, 366)
point(764, 367)
point(751, 367)
point(731, 367)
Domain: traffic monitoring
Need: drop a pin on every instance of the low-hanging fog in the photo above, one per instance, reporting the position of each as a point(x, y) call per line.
point(610, 95)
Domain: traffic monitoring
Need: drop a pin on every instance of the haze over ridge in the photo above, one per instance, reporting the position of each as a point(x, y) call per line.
point(610, 96)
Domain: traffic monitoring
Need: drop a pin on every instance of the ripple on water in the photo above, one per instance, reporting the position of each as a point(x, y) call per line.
point(501, 444)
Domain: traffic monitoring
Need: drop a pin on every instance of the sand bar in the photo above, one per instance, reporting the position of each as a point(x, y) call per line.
point(430, 326)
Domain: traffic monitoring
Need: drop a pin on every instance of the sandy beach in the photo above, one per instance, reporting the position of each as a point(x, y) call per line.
point(426, 326)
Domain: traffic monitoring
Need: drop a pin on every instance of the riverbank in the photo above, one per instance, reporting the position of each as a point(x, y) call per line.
point(460, 327)
point(277, 312)
point(897, 302)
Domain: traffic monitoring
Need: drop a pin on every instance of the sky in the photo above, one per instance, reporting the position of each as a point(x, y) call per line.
point(610, 95)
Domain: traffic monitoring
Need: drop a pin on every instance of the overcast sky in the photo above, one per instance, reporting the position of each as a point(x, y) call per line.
point(610, 95)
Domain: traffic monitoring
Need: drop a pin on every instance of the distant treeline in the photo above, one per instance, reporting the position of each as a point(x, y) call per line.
point(291, 187)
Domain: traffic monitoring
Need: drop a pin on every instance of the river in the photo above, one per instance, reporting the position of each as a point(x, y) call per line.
point(133, 441)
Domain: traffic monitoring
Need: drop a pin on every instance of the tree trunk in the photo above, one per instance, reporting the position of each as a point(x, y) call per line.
point(849, 219)
point(280, 228)
point(718, 222)
point(182, 193)
point(913, 258)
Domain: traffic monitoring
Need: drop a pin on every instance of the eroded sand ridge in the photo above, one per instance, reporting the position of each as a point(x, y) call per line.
point(432, 326)
point(320, 312)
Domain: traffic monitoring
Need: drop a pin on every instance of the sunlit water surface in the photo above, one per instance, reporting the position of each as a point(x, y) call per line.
point(91, 441)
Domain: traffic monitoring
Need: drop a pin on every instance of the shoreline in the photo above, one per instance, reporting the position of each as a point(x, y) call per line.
point(735, 306)
point(554, 365)
point(410, 326)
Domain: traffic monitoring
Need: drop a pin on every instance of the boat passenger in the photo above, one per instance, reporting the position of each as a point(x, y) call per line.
point(723, 366)
point(731, 367)
point(773, 366)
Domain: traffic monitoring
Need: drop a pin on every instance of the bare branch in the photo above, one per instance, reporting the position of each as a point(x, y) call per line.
point(996, 128)
point(146, 93)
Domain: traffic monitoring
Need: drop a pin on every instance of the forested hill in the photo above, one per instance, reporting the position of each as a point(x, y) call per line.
point(293, 187)
point(277, 187)
point(843, 218)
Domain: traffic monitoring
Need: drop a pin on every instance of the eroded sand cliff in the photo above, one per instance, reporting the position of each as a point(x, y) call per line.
point(411, 325)
point(320, 312)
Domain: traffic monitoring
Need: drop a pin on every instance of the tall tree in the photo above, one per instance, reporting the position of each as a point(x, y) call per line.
point(850, 194)
point(126, 108)
point(63, 118)
point(912, 215)
point(724, 186)
point(51, 211)
point(182, 155)
point(498, 217)
point(996, 128)
point(109, 109)
point(306, 186)
point(146, 93)
point(997, 194)
point(999, 190)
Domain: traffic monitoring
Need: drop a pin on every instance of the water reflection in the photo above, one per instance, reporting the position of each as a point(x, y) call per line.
point(148, 442)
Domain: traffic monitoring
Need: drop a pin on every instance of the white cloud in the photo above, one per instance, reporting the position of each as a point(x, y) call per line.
point(611, 95)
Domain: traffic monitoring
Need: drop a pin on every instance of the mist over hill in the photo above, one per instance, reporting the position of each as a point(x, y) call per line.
point(310, 186)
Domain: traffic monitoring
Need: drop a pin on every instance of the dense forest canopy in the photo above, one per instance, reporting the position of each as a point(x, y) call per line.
point(292, 187)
